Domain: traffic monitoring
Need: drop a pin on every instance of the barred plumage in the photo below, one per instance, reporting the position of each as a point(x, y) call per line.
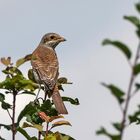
point(45, 67)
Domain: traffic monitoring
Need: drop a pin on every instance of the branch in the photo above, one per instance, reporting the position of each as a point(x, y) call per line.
point(13, 115)
point(9, 114)
point(132, 78)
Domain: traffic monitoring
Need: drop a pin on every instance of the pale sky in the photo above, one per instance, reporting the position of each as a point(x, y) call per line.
point(83, 60)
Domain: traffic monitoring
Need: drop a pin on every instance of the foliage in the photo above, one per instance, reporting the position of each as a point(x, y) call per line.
point(38, 112)
point(124, 97)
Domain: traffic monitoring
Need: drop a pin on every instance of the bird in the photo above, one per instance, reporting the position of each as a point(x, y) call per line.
point(45, 67)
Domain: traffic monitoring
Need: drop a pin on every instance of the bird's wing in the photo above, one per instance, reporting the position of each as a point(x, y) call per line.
point(45, 64)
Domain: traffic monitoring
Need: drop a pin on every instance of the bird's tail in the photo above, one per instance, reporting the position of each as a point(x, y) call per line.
point(58, 102)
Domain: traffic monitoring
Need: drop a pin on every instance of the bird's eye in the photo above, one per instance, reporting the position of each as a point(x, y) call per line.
point(52, 37)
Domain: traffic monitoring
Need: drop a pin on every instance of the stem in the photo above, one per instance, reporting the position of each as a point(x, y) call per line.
point(39, 135)
point(47, 126)
point(9, 114)
point(13, 115)
point(45, 97)
point(132, 78)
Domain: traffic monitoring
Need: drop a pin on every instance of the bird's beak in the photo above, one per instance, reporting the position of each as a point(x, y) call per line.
point(62, 39)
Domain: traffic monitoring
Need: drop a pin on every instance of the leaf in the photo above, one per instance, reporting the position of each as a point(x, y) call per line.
point(138, 33)
point(31, 75)
point(5, 61)
point(135, 118)
point(2, 97)
point(121, 46)
point(59, 123)
point(52, 118)
point(134, 20)
point(136, 69)
point(66, 136)
point(12, 71)
point(60, 87)
point(8, 127)
point(5, 105)
point(43, 116)
point(25, 125)
point(72, 101)
point(23, 60)
point(58, 136)
point(63, 80)
point(46, 105)
point(118, 93)
point(103, 131)
point(27, 92)
point(24, 133)
point(138, 7)
point(117, 126)
point(50, 137)
point(37, 126)
point(29, 109)
point(137, 87)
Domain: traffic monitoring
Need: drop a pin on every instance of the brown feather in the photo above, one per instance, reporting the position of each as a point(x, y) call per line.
point(45, 68)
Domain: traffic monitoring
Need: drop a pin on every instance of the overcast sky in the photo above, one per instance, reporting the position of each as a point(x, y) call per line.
point(84, 23)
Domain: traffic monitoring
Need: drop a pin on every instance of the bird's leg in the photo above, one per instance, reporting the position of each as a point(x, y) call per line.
point(46, 93)
point(38, 92)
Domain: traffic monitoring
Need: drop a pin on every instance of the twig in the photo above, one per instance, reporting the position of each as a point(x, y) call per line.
point(39, 135)
point(13, 115)
point(47, 126)
point(9, 114)
point(132, 78)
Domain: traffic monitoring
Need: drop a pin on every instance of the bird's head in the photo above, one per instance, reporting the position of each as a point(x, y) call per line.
point(52, 39)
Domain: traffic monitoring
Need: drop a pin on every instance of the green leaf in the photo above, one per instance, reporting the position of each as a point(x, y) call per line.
point(66, 136)
point(138, 33)
point(138, 7)
point(36, 126)
point(23, 60)
point(31, 75)
point(2, 97)
point(72, 101)
point(118, 93)
point(137, 86)
point(135, 118)
point(121, 46)
point(24, 133)
point(48, 108)
point(117, 126)
point(134, 20)
point(27, 92)
point(25, 125)
point(58, 136)
point(28, 110)
point(50, 137)
point(8, 127)
point(46, 105)
point(103, 131)
point(5, 105)
point(12, 71)
point(136, 69)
